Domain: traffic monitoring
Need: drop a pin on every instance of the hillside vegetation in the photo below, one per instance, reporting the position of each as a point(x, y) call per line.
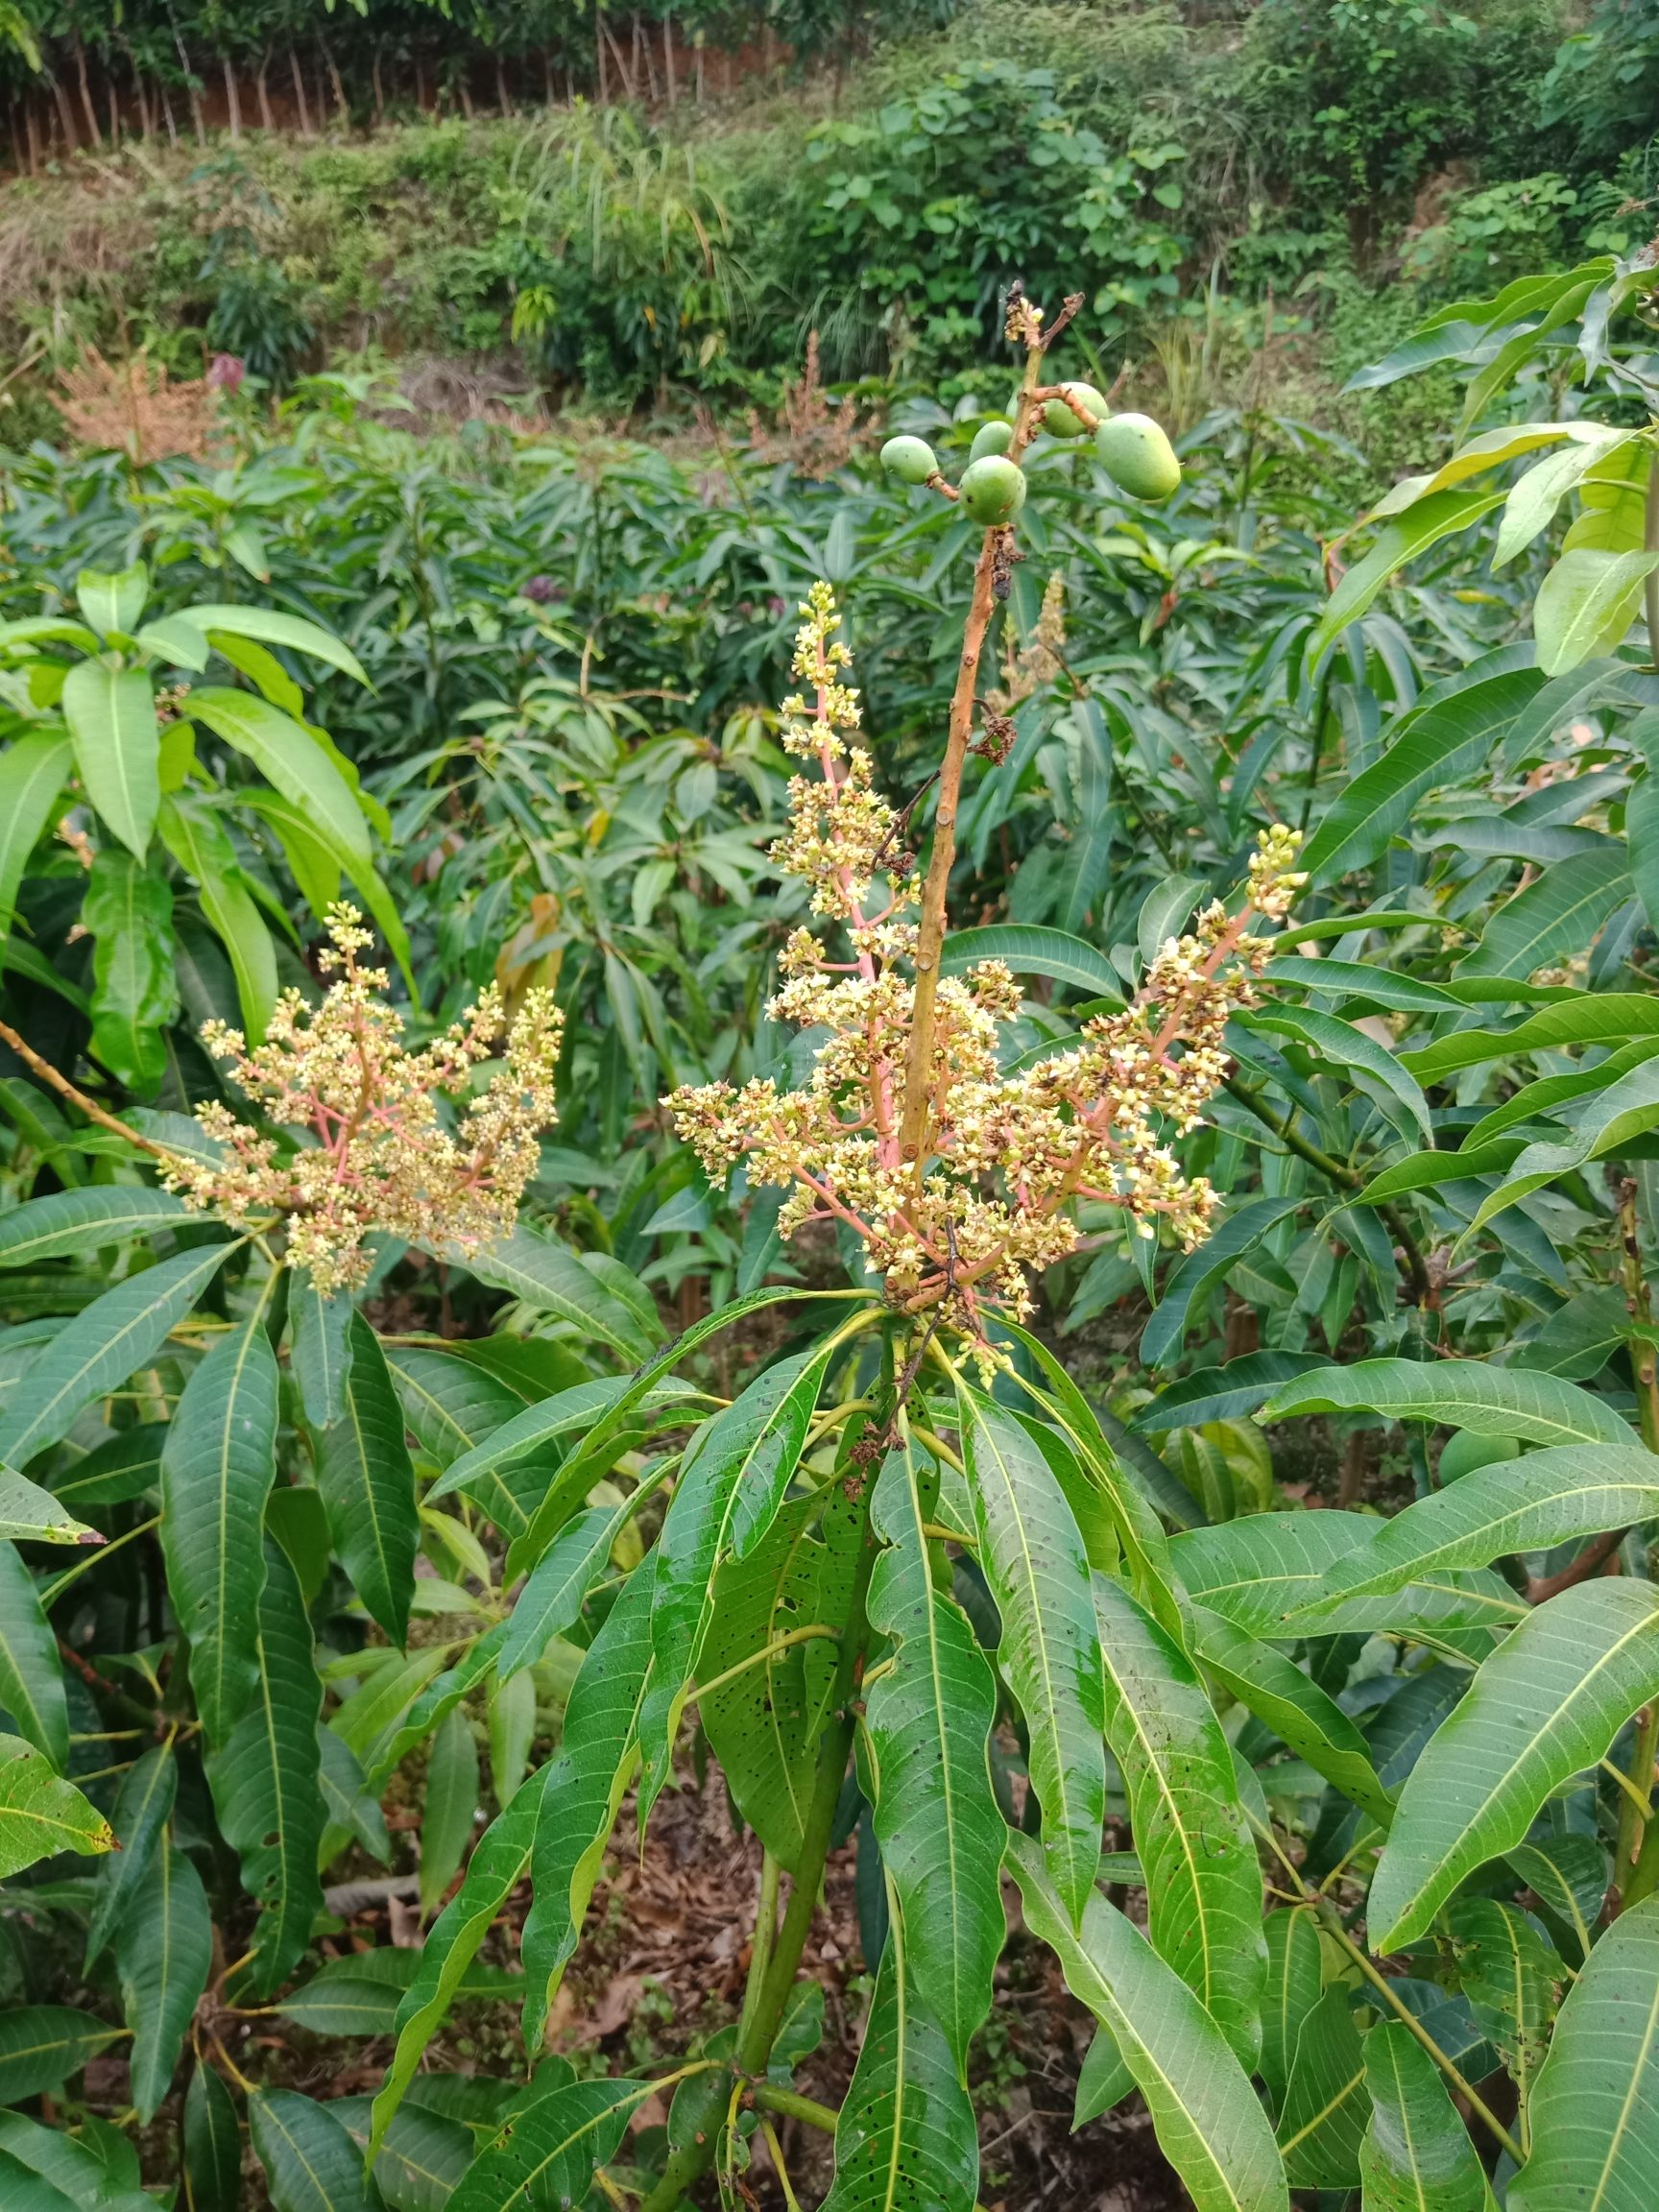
point(1254, 199)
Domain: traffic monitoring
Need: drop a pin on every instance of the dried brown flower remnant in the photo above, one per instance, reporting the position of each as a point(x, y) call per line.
point(1007, 1155)
point(132, 407)
point(376, 1154)
point(1028, 663)
point(816, 438)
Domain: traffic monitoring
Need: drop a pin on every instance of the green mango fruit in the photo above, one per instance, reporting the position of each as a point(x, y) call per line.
point(1136, 454)
point(993, 490)
point(1060, 420)
point(909, 459)
point(992, 436)
point(1464, 1452)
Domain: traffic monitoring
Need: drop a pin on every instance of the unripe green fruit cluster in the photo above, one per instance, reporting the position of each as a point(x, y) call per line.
point(1133, 450)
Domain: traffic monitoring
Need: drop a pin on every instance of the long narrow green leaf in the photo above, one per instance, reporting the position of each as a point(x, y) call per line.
point(80, 1220)
point(546, 2152)
point(271, 626)
point(1294, 1969)
point(553, 1597)
point(30, 1515)
point(1416, 2155)
point(287, 756)
point(1526, 1504)
point(163, 1954)
point(1203, 1885)
point(1049, 1654)
point(1295, 1708)
point(1594, 2108)
point(143, 1808)
point(1547, 1705)
point(42, 2045)
point(368, 1485)
point(322, 1328)
point(129, 911)
point(1464, 1393)
point(311, 2163)
point(97, 1351)
point(217, 1469)
point(1347, 1046)
point(1597, 1021)
point(498, 1864)
point(905, 2137)
point(548, 1276)
point(1209, 2121)
point(112, 727)
point(41, 1815)
point(1242, 1233)
point(212, 2145)
point(1327, 2106)
point(265, 1780)
point(1558, 914)
point(34, 769)
point(732, 1481)
point(1031, 950)
point(928, 1718)
point(597, 1758)
point(31, 1676)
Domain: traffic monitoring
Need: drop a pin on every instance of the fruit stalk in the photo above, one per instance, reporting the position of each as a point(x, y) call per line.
point(931, 939)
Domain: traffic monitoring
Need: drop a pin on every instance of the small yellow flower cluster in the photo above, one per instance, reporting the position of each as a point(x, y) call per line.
point(1006, 1156)
point(374, 1154)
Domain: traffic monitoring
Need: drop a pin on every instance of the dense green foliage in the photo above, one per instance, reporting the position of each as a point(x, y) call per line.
point(1315, 155)
point(476, 1523)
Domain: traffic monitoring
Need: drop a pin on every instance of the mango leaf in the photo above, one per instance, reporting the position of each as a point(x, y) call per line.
point(212, 2145)
point(440, 1696)
point(217, 1468)
point(1295, 1708)
point(1416, 2155)
point(1465, 1393)
point(368, 1485)
point(1451, 731)
point(450, 1802)
point(1568, 1875)
point(424, 2159)
point(1594, 2107)
point(1327, 2106)
point(80, 1220)
point(321, 1327)
point(1256, 1571)
point(128, 909)
point(1526, 1504)
point(1193, 1840)
point(105, 1342)
point(1547, 1705)
point(1558, 914)
point(498, 1864)
point(112, 727)
point(1586, 603)
point(764, 1722)
point(114, 599)
point(597, 1758)
point(1510, 1976)
point(78, 2175)
point(265, 1780)
point(560, 1581)
point(1032, 951)
point(164, 1953)
point(288, 757)
point(1103, 2080)
point(42, 2045)
point(546, 2150)
point(928, 1718)
point(270, 626)
point(1294, 1971)
point(311, 2163)
point(1629, 1107)
point(143, 1808)
point(732, 1481)
point(34, 769)
point(1209, 2121)
point(905, 2137)
point(1223, 1393)
point(28, 1514)
point(546, 1275)
point(41, 1815)
point(1531, 504)
point(200, 845)
point(1033, 1558)
point(31, 1678)
point(1350, 1048)
point(1586, 1021)
point(1433, 517)
point(1242, 1233)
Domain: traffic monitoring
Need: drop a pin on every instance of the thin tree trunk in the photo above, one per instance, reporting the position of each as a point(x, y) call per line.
point(232, 105)
point(599, 50)
point(339, 103)
point(374, 79)
point(299, 100)
point(503, 98)
point(86, 92)
point(622, 70)
point(642, 50)
point(18, 162)
point(190, 88)
point(146, 114)
point(167, 112)
point(668, 55)
point(700, 85)
point(33, 135)
point(465, 91)
point(71, 136)
point(419, 84)
point(267, 121)
point(114, 103)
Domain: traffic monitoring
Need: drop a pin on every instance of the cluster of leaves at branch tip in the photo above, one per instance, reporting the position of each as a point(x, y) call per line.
point(956, 1233)
point(379, 1156)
